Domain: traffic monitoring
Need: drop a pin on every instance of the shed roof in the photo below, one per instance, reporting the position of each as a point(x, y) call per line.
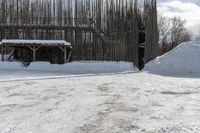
point(15, 42)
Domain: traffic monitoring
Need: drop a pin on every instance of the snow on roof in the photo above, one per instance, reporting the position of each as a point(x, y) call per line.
point(35, 42)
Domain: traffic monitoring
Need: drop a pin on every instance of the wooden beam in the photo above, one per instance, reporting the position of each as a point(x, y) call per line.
point(45, 27)
point(30, 48)
point(11, 54)
point(38, 48)
point(62, 48)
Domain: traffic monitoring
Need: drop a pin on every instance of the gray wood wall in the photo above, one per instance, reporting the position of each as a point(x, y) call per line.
point(97, 29)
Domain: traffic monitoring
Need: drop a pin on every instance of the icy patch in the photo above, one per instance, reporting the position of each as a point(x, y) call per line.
point(184, 59)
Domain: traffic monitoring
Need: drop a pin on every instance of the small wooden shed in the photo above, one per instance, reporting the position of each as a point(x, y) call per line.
point(54, 51)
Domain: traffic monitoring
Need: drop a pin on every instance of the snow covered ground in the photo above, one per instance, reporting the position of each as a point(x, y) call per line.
point(109, 98)
point(128, 103)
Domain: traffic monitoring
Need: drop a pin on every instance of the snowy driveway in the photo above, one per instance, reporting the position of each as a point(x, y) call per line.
point(110, 103)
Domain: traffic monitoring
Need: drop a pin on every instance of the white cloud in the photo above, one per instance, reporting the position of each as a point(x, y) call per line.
point(187, 10)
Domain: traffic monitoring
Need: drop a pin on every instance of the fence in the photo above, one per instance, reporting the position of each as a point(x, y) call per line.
point(97, 29)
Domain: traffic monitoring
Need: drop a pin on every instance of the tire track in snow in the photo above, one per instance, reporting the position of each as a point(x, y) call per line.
point(114, 104)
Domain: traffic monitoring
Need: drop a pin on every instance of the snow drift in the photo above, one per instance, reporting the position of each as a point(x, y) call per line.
point(183, 59)
point(5, 57)
point(78, 67)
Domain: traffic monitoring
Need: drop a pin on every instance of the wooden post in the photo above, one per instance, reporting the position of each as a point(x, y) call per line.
point(69, 56)
point(34, 51)
point(65, 54)
point(2, 56)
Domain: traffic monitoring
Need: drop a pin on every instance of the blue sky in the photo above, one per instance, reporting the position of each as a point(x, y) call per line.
point(187, 9)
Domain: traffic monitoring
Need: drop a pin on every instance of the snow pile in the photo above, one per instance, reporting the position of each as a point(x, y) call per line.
point(184, 59)
point(5, 57)
point(79, 67)
point(9, 65)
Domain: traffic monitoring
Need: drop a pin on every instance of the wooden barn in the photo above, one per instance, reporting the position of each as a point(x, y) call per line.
point(54, 51)
point(112, 30)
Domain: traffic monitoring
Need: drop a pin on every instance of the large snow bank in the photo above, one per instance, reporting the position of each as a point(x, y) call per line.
point(183, 59)
point(79, 67)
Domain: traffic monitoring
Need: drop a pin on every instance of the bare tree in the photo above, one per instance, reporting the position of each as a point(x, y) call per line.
point(186, 36)
point(179, 33)
point(164, 32)
point(172, 32)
